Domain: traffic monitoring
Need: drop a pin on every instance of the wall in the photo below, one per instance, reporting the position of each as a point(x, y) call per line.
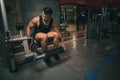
point(30, 8)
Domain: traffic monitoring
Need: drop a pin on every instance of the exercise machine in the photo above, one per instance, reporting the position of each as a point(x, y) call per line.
point(29, 54)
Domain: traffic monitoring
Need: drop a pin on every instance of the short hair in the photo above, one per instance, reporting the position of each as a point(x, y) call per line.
point(47, 10)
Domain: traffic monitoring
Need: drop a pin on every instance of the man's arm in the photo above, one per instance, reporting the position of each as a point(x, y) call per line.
point(30, 25)
point(57, 30)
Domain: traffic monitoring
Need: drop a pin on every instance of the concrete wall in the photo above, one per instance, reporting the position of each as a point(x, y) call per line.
point(31, 8)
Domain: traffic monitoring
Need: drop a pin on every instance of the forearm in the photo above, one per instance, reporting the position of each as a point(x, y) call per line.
point(28, 31)
point(61, 38)
point(57, 30)
point(61, 41)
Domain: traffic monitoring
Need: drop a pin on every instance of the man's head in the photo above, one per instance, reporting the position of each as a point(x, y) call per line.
point(46, 13)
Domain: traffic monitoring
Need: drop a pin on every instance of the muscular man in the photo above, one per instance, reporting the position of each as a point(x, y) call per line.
point(44, 27)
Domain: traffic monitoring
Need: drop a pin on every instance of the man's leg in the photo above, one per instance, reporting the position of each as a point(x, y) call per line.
point(55, 41)
point(56, 38)
point(43, 38)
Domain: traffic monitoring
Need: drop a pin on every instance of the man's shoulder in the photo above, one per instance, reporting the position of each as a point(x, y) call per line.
point(36, 18)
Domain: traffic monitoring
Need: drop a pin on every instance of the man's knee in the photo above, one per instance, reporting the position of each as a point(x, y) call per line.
point(42, 37)
point(56, 35)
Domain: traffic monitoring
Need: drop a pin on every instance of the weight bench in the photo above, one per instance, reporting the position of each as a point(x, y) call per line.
point(29, 54)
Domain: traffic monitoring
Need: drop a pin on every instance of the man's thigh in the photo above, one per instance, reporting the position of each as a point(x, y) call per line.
point(52, 34)
point(40, 35)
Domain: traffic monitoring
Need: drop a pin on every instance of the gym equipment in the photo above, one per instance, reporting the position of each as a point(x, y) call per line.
point(29, 54)
point(6, 57)
point(49, 53)
point(4, 51)
point(10, 43)
point(63, 29)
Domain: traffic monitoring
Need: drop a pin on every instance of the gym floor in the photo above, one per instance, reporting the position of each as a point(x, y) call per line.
point(99, 60)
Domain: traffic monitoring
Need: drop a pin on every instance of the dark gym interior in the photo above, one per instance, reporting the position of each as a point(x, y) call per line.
point(91, 32)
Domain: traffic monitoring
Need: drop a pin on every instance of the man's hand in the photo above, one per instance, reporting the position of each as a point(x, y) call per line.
point(63, 46)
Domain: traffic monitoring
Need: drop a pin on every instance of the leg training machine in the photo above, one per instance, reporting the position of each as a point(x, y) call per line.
point(28, 53)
